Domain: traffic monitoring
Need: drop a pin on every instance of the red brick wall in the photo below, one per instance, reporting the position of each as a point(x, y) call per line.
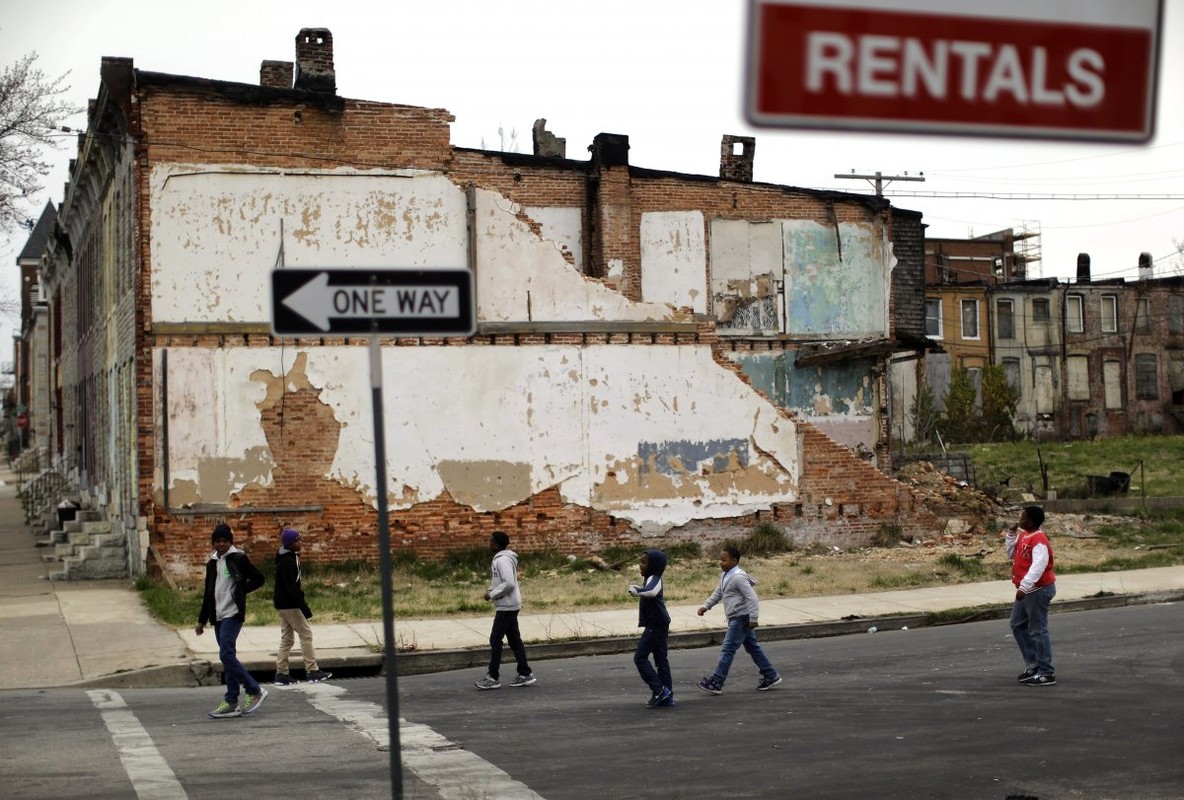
point(190, 124)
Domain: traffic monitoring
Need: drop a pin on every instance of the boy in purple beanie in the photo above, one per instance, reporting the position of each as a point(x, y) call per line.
point(294, 612)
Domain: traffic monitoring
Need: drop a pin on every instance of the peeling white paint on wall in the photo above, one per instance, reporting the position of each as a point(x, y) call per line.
point(564, 227)
point(607, 425)
point(212, 229)
point(674, 259)
point(215, 442)
point(520, 277)
point(533, 417)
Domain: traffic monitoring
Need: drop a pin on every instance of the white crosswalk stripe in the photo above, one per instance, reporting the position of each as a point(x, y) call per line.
point(455, 772)
point(150, 775)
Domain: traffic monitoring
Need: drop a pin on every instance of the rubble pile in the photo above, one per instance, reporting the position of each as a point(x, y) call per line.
point(972, 513)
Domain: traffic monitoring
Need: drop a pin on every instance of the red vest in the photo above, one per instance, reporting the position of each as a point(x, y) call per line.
point(1022, 559)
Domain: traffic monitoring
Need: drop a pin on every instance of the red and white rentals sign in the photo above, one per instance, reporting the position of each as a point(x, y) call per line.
point(1004, 67)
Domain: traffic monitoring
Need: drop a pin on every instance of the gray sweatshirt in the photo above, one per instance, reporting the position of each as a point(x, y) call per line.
point(735, 588)
point(503, 584)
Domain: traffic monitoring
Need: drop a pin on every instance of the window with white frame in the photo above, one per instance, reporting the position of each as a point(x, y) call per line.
point(1109, 313)
point(1074, 314)
point(933, 317)
point(969, 319)
point(1112, 383)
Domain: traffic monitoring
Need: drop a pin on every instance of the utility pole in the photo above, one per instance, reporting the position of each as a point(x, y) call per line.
point(883, 180)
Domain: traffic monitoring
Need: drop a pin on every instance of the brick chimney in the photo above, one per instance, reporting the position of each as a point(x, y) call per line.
point(1146, 270)
point(735, 158)
point(276, 74)
point(314, 61)
point(1083, 268)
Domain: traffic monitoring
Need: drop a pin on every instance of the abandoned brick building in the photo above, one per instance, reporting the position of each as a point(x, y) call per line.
point(658, 355)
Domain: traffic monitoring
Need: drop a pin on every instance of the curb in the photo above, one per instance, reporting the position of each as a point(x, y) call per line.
point(207, 673)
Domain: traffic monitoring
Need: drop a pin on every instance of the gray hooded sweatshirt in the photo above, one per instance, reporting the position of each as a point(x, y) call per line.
point(503, 584)
point(735, 588)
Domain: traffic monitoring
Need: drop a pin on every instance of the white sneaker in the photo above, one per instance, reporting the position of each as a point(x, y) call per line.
point(488, 683)
point(525, 680)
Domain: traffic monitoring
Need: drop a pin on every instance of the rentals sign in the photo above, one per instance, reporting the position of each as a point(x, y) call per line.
point(1007, 67)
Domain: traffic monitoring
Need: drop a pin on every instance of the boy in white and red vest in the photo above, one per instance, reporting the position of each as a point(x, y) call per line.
point(1036, 586)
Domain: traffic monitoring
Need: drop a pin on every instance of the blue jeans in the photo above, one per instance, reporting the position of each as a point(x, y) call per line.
point(653, 640)
point(740, 634)
point(226, 631)
point(1029, 626)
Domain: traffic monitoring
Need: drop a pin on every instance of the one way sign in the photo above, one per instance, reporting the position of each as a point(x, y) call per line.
point(404, 302)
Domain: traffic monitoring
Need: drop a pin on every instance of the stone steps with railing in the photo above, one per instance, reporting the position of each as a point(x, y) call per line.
point(79, 539)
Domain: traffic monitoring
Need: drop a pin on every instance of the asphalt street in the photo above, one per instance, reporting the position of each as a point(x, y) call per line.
point(926, 713)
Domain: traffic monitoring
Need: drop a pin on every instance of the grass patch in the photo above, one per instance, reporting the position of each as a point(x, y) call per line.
point(902, 581)
point(889, 535)
point(971, 568)
point(1068, 464)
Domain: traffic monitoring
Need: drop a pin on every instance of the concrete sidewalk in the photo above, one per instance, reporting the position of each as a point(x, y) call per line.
point(98, 633)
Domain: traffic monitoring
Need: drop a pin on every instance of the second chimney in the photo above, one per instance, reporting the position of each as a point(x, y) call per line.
point(1146, 272)
point(736, 155)
point(276, 74)
point(314, 61)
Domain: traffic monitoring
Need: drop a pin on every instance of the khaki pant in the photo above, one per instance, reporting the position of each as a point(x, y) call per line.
point(292, 624)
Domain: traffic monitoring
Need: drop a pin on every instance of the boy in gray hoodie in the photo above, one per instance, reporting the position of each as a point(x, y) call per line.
point(742, 610)
point(507, 602)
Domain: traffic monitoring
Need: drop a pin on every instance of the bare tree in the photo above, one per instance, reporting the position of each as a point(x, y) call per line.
point(32, 110)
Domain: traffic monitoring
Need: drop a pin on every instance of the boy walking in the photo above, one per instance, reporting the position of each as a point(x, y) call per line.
point(1035, 587)
point(294, 613)
point(654, 620)
point(230, 577)
point(507, 602)
point(742, 610)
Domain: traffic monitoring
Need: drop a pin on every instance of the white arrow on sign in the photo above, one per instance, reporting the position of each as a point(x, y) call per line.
point(317, 302)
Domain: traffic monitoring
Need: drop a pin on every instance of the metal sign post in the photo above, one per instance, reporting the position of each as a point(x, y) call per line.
point(407, 302)
point(384, 557)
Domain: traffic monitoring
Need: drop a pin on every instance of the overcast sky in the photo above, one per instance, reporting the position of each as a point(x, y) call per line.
point(667, 73)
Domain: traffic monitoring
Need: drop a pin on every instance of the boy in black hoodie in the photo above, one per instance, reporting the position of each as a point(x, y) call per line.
point(294, 613)
point(654, 620)
point(230, 577)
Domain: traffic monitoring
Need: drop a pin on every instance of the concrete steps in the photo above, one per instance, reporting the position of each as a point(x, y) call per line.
point(85, 547)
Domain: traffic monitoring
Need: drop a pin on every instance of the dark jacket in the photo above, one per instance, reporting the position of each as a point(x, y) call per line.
point(651, 605)
point(288, 591)
point(247, 578)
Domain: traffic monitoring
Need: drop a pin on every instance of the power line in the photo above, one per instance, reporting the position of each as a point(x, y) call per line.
point(1037, 195)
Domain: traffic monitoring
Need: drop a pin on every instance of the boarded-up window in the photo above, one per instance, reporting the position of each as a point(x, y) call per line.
point(1112, 381)
point(1109, 313)
point(1040, 312)
point(1045, 386)
point(1176, 313)
point(976, 379)
point(933, 317)
point(1074, 317)
point(1077, 375)
point(1143, 315)
point(1011, 373)
point(969, 319)
point(1146, 377)
point(1005, 319)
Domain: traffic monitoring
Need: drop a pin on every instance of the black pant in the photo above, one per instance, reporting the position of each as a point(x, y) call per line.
point(505, 624)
